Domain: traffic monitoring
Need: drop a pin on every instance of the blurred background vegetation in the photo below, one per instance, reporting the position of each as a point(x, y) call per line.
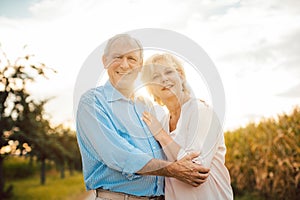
point(29, 144)
point(41, 161)
point(264, 158)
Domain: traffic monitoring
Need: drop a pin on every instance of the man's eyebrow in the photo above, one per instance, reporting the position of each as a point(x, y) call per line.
point(116, 54)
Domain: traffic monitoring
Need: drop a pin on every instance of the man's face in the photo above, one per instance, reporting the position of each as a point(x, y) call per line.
point(123, 63)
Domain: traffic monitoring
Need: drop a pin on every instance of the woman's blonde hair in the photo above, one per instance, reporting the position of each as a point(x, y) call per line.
point(160, 59)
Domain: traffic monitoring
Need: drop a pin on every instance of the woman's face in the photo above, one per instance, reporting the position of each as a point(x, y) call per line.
point(165, 81)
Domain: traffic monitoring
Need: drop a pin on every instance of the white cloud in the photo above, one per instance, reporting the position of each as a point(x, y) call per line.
point(251, 43)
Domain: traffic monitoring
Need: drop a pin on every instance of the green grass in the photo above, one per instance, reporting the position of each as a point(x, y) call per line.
point(16, 167)
point(72, 187)
point(26, 183)
point(248, 196)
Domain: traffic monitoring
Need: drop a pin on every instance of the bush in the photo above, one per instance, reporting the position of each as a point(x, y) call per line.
point(265, 158)
point(16, 167)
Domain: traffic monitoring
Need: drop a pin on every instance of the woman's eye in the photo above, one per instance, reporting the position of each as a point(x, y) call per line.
point(169, 72)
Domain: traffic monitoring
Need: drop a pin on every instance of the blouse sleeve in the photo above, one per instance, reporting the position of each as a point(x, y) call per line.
point(203, 134)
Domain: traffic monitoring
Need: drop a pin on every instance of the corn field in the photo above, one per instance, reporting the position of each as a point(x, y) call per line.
point(264, 158)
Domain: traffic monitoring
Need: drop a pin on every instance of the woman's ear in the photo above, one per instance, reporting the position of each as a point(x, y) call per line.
point(181, 74)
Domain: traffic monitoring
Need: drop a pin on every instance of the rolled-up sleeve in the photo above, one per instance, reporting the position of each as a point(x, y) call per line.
point(100, 134)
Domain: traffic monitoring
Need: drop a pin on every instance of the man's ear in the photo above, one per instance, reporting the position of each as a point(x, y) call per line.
point(104, 61)
point(141, 65)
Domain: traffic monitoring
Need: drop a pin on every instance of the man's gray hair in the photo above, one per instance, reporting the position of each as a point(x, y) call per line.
point(125, 37)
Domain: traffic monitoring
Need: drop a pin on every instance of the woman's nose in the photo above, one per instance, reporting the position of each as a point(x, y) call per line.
point(164, 79)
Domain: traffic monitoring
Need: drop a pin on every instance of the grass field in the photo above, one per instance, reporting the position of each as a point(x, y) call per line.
point(71, 187)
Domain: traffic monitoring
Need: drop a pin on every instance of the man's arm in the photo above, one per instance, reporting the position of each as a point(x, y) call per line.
point(98, 135)
point(184, 170)
point(96, 132)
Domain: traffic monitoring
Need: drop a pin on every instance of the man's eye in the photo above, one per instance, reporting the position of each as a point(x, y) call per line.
point(117, 57)
point(155, 77)
point(133, 59)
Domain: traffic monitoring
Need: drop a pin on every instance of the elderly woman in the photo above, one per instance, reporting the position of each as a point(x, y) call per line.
point(189, 126)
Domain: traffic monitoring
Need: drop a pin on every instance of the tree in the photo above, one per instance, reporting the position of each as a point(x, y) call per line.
point(60, 150)
point(34, 129)
point(13, 100)
point(74, 161)
point(42, 145)
point(67, 152)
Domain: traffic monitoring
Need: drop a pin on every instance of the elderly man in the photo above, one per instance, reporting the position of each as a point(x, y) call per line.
point(121, 159)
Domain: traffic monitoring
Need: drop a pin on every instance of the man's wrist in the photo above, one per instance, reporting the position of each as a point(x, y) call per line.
point(156, 167)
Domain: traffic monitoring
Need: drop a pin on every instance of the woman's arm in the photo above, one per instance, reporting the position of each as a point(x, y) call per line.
point(170, 147)
point(203, 134)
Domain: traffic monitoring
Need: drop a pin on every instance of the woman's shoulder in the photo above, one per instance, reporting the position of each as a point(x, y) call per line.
point(198, 107)
point(196, 103)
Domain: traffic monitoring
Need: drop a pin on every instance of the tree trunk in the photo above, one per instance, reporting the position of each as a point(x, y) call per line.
point(31, 160)
point(2, 176)
point(71, 168)
point(43, 171)
point(62, 171)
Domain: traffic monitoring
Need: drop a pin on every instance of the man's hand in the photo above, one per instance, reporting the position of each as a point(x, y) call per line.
point(184, 170)
point(187, 171)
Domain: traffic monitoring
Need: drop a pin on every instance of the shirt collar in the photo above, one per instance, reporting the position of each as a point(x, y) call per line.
point(111, 93)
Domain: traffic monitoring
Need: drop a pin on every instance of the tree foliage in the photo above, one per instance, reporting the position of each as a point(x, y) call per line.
point(24, 126)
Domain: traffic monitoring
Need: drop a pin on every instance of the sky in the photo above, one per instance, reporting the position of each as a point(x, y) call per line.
point(255, 45)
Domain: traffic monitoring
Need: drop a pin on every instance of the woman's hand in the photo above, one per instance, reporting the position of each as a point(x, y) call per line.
point(170, 147)
point(153, 124)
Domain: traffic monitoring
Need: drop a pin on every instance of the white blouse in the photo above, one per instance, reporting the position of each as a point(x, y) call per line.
point(198, 129)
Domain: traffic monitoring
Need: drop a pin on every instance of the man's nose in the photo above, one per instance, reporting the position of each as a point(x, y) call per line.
point(124, 63)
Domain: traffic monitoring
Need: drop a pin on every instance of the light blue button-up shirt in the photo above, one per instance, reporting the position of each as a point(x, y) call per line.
point(115, 143)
